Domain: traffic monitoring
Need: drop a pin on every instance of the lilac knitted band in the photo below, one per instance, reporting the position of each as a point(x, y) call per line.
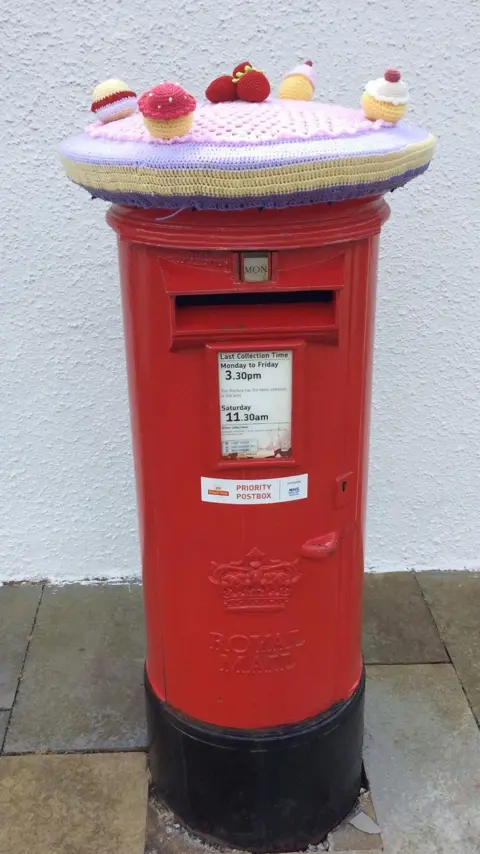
point(84, 148)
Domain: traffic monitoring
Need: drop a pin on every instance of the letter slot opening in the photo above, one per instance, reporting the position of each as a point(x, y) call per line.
point(240, 312)
point(249, 298)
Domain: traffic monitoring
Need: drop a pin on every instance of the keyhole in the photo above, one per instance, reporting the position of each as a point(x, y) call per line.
point(344, 485)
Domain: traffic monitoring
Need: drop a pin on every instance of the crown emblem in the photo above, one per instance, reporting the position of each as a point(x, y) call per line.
point(255, 583)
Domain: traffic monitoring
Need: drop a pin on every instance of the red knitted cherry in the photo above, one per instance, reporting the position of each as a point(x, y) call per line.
point(253, 87)
point(309, 62)
point(221, 90)
point(392, 75)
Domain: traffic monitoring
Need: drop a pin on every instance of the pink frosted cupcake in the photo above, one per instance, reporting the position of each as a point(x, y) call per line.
point(167, 111)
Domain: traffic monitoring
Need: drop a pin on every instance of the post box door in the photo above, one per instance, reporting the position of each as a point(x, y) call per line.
point(261, 584)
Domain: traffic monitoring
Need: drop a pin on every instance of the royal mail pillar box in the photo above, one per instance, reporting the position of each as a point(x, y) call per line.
point(249, 348)
point(248, 233)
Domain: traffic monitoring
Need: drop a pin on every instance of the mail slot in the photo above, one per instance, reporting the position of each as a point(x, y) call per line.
point(250, 401)
point(227, 314)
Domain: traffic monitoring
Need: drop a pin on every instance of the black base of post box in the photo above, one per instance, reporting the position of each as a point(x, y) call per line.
point(278, 789)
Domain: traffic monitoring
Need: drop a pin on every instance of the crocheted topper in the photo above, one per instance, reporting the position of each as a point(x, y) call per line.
point(242, 148)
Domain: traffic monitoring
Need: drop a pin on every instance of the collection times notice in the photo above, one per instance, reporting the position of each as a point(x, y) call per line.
point(256, 404)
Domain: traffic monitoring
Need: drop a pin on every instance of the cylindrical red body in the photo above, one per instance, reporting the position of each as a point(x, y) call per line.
point(253, 608)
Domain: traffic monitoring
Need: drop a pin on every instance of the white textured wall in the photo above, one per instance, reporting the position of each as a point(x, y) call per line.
point(67, 507)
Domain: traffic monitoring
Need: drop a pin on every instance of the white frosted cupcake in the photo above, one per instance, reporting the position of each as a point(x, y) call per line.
point(386, 98)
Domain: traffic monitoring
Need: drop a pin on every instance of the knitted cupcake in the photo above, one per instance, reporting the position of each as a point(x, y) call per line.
point(299, 83)
point(386, 98)
point(113, 100)
point(167, 111)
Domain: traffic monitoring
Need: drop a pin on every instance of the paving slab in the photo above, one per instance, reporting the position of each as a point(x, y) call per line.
point(82, 685)
point(87, 804)
point(422, 757)
point(397, 625)
point(454, 598)
point(18, 606)
point(165, 835)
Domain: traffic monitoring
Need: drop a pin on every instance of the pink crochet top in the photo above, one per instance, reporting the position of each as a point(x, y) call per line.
point(243, 123)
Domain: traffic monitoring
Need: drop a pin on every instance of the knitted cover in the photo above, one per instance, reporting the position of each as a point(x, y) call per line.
point(241, 155)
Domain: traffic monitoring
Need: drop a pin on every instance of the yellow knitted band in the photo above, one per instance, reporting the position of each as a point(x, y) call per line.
point(220, 183)
point(374, 109)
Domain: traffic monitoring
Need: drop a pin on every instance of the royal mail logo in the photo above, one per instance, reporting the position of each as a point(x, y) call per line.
point(255, 583)
point(217, 490)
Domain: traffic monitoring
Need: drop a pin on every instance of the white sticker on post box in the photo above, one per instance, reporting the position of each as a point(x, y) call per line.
point(273, 490)
point(256, 404)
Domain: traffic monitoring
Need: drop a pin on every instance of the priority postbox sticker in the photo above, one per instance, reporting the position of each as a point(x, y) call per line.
point(273, 490)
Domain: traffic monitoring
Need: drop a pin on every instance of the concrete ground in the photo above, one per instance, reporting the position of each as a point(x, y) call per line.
point(73, 776)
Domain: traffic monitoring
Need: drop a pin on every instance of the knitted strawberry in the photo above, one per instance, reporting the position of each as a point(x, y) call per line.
point(240, 68)
point(253, 86)
point(247, 83)
point(221, 89)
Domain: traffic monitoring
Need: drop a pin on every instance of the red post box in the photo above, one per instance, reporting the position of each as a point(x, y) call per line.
point(249, 350)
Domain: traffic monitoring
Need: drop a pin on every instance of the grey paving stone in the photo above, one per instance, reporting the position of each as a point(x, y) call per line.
point(422, 756)
point(18, 605)
point(397, 625)
point(82, 686)
point(4, 716)
point(454, 598)
point(73, 804)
